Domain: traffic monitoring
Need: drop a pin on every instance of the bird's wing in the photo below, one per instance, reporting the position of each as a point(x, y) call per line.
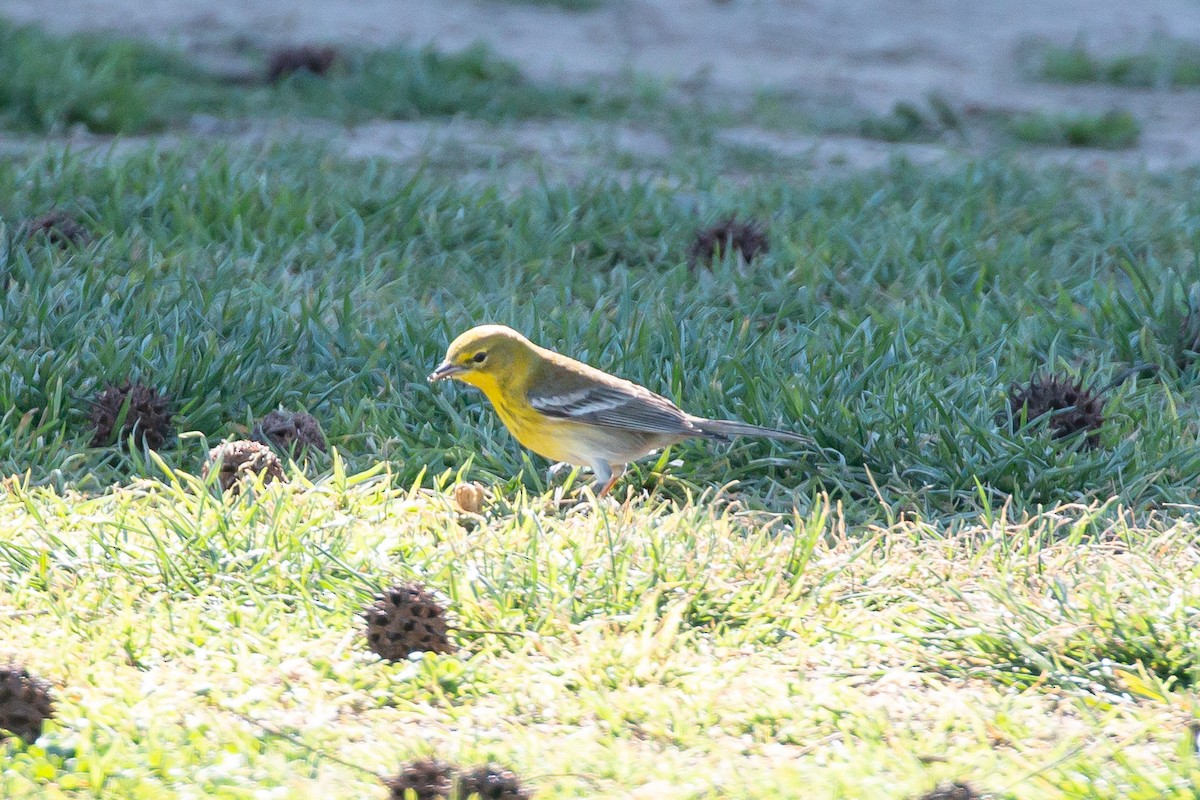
point(627, 406)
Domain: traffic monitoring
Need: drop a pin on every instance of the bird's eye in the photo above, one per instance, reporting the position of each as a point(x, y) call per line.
point(479, 358)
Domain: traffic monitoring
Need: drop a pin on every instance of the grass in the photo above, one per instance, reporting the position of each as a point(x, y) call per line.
point(909, 122)
point(1164, 63)
point(213, 647)
point(924, 597)
point(289, 278)
point(114, 86)
point(1112, 130)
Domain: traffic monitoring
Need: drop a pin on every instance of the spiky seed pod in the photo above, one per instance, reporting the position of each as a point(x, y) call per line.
point(492, 782)
point(425, 779)
point(25, 703)
point(469, 497)
point(59, 228)
point(1074, 409)
point(748, 239)
point(406, 619)
point(292, 432)
point(952, 791)
point(240, 459)
point(289, 60)
point(148, 418)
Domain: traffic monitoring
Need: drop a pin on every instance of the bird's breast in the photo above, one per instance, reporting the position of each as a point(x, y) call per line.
point(557, 440)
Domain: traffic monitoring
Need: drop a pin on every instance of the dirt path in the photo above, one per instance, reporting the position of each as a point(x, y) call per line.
point(872, 53)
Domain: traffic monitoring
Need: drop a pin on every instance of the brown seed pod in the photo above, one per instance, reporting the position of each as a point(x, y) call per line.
point(424, 779)
point(59, 228)
point(289, 60)
point(292, 432)
point(492, 782)
point(148, 418)
point(1074, 409)
point(407, 619)
point(469, 497)
point(240, 459)
point(952, 791)
point(747, 239)
point(25, 703)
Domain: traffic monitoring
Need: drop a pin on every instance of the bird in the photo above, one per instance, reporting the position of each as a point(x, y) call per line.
point(570, 412)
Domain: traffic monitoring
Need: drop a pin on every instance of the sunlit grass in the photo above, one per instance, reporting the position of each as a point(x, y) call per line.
point(213, 644)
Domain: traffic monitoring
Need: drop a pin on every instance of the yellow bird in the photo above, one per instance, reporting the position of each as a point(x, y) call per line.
point(565, 410)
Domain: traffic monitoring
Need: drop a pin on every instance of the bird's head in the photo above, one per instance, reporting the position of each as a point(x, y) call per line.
point(483, 354)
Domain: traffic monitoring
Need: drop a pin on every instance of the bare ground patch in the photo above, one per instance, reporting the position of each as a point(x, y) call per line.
point(871, 54)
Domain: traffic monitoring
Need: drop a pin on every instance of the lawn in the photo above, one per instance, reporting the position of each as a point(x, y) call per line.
point(946, 588)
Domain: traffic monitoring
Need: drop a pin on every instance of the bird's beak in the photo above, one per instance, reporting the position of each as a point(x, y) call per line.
point(446, 370)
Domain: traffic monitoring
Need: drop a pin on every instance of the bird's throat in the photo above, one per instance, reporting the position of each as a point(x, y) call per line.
point(489, 385)
point(507, 404)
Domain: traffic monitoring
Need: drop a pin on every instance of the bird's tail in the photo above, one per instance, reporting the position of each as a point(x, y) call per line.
point(727, 428)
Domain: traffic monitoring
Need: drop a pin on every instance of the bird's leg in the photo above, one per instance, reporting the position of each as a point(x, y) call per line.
point(607, 478)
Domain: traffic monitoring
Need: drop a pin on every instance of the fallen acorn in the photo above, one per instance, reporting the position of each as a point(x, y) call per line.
point(469, 497)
